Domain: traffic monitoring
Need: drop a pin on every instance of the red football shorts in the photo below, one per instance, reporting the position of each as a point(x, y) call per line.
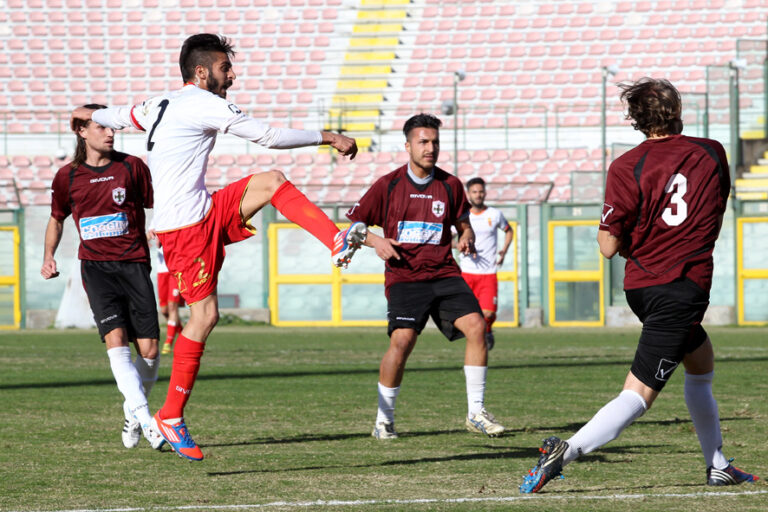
point(168, 290)
point(486, 289)
point(194, 254)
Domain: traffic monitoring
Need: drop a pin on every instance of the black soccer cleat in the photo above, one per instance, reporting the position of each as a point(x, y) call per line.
point(550, 465)
point(729, 476)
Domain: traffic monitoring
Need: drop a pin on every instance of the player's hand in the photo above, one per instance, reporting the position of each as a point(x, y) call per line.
point(385, 247)
point(466, 246)
point(151, 235)
point(500, 260)
point(82, 114)
point(49, 269)
point(343, 144)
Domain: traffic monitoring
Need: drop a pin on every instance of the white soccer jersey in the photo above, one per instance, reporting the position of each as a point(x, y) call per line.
point(181, 129)
point(484, 225)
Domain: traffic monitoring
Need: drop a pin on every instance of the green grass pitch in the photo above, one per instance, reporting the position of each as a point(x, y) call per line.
point(285, 416)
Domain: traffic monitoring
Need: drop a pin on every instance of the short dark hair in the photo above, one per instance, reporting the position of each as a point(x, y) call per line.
point(421, 121)
point(197, 50)
point(654, 105)
point(476, 181)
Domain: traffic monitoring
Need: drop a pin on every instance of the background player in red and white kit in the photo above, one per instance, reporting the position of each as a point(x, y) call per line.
point(417, 205)
point(664, 205)
point(193, 225)
point(170, 300)
point(479, 269)
point(106, 193)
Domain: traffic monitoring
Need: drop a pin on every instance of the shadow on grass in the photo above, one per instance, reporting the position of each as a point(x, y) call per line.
point(571, 363)
point(489, 453)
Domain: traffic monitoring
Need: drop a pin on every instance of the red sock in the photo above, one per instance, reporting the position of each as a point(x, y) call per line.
point(186, 363)
point(489, 322)
point(170, 334)
point(298, 209)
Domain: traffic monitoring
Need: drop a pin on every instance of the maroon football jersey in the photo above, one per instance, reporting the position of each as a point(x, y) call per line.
point(665, 198)
point(420, 218)
point(107, 204)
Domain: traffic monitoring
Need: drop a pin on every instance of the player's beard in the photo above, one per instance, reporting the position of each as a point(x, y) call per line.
point(215, 87)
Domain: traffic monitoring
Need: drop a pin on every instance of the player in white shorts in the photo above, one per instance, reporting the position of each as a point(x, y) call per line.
point(479, 269)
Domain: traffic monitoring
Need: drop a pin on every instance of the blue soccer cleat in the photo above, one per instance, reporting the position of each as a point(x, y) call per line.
point(729, 476)
point(177, 436)
point(550, 465)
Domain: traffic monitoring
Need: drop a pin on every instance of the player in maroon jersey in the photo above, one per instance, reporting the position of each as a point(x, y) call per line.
point(106, 193)
point(664, 205)
point(416, 205)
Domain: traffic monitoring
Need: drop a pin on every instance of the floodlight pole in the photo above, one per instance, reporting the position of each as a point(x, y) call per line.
point(458, 76)
point(607, 70)
point(455, 124)
point(733, 96)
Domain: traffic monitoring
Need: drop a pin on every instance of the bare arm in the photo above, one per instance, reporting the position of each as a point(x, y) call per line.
point(384, 247)
point(509, 235)
point(466, 243)
point(52, 238)
point(609, 244)
point(343, 144)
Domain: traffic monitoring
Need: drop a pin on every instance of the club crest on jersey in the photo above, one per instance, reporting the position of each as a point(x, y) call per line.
point(438, 208)
point(118, 195)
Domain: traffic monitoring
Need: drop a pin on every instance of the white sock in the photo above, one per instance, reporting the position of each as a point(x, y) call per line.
point(147, 369)
point(129, 382)
point(702, 407)
point(387, 398)
point(606, 425)
point(475, 376)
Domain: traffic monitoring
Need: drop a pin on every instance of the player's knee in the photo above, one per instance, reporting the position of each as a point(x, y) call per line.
point(275, 179)
point(149, 350)
point(475, 323)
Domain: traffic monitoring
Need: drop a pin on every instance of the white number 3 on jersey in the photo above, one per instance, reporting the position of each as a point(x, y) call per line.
point(678, 186)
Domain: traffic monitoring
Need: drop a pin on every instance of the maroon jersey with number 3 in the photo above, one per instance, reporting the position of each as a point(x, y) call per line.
point(107, 204)
point(665, 199)
point(420, 218)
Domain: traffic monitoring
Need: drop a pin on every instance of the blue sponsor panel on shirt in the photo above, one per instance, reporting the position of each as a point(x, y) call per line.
point(418, 232)
point(103, 226)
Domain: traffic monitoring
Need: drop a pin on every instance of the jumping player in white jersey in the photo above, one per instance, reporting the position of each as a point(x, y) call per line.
point(479, 269)
point(193, 225)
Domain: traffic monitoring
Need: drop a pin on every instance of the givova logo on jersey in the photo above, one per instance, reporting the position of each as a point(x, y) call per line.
point(104, 226)
point(416, 232)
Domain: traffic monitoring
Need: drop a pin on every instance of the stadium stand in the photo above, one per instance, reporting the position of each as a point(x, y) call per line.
point(530, 100)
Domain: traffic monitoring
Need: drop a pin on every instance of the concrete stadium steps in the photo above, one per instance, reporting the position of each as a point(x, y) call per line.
point(366, 68)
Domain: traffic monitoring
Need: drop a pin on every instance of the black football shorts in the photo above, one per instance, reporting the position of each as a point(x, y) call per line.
point(409, 305)
point(671, 314)
point(121, 296)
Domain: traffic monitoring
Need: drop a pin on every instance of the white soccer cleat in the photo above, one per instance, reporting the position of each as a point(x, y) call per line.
point(131, 428)
point(484, 423)
point(156, 441)
point(384, 430)
point(346, 242)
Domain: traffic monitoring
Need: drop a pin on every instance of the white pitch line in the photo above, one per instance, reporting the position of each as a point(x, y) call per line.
point(419, 501)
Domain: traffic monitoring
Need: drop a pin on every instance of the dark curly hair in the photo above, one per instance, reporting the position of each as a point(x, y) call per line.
point(654, 105)
point(421, 121)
